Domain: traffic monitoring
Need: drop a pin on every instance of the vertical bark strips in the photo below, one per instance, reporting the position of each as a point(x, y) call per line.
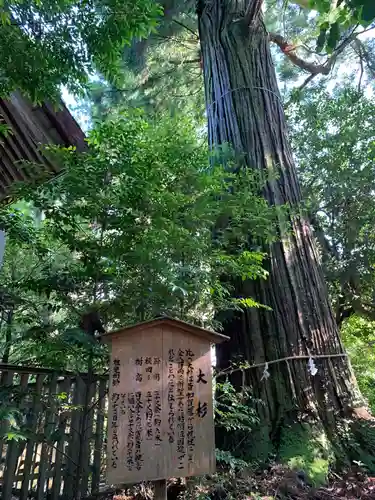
point(244, 109)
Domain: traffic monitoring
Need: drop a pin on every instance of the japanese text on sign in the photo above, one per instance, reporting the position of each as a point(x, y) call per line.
point(182, 408)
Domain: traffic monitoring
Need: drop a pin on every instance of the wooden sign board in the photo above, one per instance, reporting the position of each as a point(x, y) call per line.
point(160, 421)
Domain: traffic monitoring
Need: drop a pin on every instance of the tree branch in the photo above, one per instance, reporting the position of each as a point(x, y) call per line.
point(184, 61)
point(361, 75)
point(364, 56)
point(312, 68)
point(364, 309)
point(186, 27)
point(302, 3)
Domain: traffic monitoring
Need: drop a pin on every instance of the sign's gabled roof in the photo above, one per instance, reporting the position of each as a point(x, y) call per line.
point(178, 324)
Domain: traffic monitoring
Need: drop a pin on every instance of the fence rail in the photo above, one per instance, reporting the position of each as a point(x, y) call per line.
point(61, 447)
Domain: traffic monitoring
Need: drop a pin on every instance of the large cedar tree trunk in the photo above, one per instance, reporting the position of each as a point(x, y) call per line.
point(244, 109)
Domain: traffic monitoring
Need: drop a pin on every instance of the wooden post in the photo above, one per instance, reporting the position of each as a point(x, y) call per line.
point(160, 490)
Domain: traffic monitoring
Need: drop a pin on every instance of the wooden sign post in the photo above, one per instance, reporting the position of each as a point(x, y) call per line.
point(160, 420)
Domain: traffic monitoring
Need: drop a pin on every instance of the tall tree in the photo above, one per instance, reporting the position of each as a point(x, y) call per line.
point(244, 109)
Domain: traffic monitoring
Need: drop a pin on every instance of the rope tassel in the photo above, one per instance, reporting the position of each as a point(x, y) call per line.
point(266, 373)
point(311, 367)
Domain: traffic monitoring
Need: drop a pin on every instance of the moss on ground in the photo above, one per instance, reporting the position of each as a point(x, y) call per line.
point(304, 447)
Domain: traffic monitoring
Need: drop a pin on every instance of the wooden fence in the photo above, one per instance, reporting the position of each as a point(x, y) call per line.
point(63, 417)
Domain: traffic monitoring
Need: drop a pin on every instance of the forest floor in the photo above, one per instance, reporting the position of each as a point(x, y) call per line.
point(276, 483)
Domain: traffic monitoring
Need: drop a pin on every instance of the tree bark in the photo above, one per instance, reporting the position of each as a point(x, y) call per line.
point(244, 108)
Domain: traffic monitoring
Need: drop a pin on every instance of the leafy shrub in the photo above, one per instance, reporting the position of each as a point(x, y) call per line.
point(140, 225)
point(358, 335)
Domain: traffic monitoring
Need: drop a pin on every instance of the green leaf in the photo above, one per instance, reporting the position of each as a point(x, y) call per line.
point(4, 18)
point(5, 130)
point(249, 303)
point(320, 43)
point(15, 436)
point(226, 458)
point(333, 37)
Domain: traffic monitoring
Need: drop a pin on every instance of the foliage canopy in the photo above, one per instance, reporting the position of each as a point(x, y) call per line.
point(44, 44)
point(128, 230)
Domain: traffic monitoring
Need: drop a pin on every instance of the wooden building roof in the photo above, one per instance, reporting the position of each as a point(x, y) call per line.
point(33, 126)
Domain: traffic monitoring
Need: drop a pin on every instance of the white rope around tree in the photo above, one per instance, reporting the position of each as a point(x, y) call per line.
point(311, 366)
